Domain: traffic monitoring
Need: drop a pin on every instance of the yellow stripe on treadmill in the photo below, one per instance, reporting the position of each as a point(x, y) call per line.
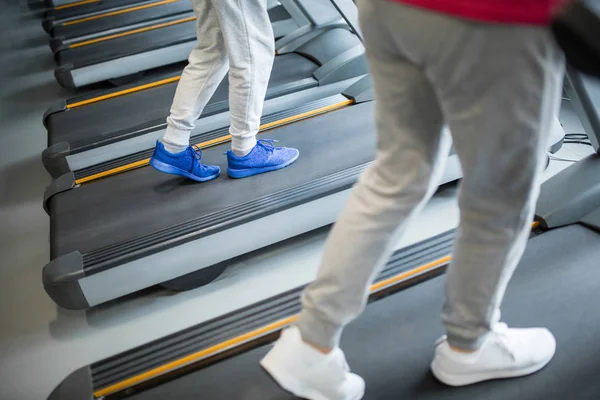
point(78, 3)
point(211, 351)
point(123, 92)
point(132, 32)
point(217, 141)
point(118, 12)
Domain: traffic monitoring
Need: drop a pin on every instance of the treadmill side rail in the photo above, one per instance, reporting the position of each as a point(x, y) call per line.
point(298, 38)
point(76, 386)
point(48, 22)
point(361, 91)
point(585, 97)
point(64, 76)
point(57, 107)
point(58, 185)
point(592, 220)
point(349, 64)
point(61, 281)
point(571, 194)
point(57, 44)
point(55, 161)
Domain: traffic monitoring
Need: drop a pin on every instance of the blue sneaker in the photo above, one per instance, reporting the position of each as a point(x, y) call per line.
point(187, 163)
point(264, 157)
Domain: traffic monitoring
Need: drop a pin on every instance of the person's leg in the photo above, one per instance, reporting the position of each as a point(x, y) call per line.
point(406, 171)
point(207, 66)
point(250, 45)
point(500, 90)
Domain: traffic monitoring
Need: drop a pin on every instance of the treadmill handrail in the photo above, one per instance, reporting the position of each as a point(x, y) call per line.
point(349, 12)
point(584, 105)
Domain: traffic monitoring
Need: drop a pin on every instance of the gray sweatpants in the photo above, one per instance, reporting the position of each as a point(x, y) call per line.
point(497, 87)
point(234, 36)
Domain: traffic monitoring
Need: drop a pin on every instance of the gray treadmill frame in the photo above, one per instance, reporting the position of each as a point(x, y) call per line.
point(573, 195)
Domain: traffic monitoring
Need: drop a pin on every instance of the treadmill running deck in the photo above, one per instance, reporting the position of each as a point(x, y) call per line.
point(391, 345)
point(143, 201)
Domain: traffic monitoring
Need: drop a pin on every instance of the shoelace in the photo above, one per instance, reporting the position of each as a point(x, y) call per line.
point(500, 331)
point(197, 152)
point(268, 144)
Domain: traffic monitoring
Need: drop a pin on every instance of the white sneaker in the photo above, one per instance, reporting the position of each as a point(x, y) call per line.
point(506, 353)
point(307, 373)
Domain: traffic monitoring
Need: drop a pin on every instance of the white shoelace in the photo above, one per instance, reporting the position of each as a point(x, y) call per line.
point(500, 332)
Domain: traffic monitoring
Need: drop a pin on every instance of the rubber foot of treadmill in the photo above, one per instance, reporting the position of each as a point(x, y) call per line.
point(195, 279)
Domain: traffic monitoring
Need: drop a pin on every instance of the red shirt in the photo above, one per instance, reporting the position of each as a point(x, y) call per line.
point(535, 12)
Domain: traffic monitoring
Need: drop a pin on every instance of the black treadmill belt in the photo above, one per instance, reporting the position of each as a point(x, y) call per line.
point(134, 111)
point(94, 7)
point(122, 20)
point(143, 201)
point(128, 45)
point(391, 345)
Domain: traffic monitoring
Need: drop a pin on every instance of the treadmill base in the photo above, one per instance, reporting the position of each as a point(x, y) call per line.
point(195, 279)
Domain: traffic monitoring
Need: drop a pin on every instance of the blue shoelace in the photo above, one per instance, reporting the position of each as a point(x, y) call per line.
point(268, 144)
point(197, 152)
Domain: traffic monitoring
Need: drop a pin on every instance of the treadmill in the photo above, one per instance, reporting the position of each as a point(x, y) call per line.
point(313, 62)
point(114, 236)
point(129, 52)
point(556, 282)
point(106, 231)
point(138, 16)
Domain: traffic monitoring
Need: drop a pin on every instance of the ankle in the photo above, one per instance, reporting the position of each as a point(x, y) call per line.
point(320, 349)
point(461, 350)
point(241, 153)
point(173, 148)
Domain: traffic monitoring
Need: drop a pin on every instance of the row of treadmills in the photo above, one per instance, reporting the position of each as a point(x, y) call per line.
point(117, 226)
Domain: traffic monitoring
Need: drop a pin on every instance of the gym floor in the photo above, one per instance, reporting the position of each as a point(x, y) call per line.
point(41, 344)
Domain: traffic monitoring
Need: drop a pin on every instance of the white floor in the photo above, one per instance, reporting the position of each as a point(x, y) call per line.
point(40, 344)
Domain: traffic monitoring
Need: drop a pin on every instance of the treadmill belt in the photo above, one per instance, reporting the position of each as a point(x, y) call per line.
point(128, 206)
point(391, 344)
point(127, 45)
point(138, 110)
point(95, 7)
point(74, 30)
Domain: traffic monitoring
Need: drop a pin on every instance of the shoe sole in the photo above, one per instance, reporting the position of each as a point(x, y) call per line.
point(464, 380)
point(247, 172)
point(169, 169)
point(290, 385)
